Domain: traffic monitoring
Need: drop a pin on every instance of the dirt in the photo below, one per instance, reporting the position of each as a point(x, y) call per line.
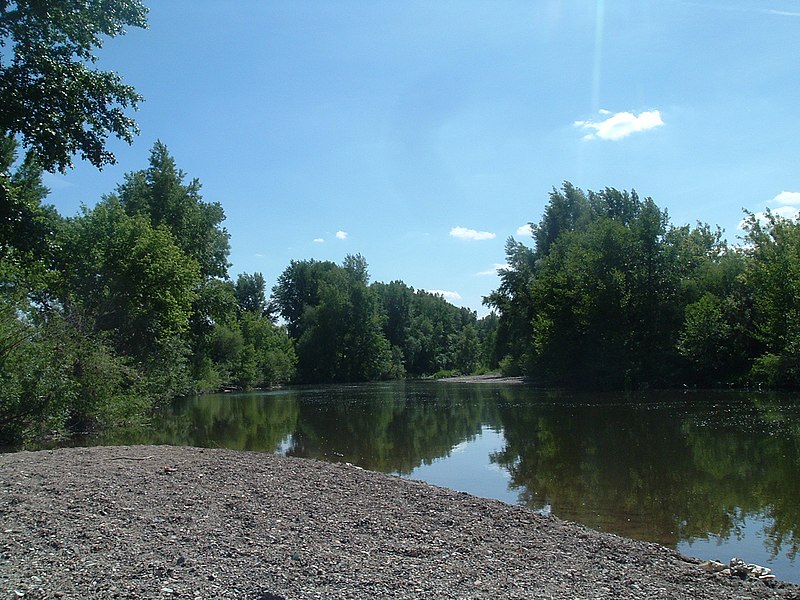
point(168, 522)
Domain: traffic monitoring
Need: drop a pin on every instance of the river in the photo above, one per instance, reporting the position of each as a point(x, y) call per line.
point(713, 474)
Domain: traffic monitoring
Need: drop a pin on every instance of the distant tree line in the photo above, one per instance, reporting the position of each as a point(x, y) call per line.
point(612, 295)
point(347, 329)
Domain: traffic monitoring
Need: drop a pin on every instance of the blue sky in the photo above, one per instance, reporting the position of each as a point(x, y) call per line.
point(424, 134)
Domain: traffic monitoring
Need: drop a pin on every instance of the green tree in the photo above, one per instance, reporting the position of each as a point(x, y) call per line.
point(131, 281)
point(773, 278)
point(26, 226)
point(335, 320)
point(716, 337)
point(513, 340)
point(275, 360)
point(250, 293)
point(51, 98)
point(468, 350)
point(297, 289)
point(160, 194)
point(600, 301)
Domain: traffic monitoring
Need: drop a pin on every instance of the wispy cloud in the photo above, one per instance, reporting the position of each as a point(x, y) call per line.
point(525, 229)
point(782, 13)
point(463, 233)
point(749, 9)
point(620, 125)
point(448, 295)
point(55, 181)
point(494, 269)
point(341, 235)
point(319, 240)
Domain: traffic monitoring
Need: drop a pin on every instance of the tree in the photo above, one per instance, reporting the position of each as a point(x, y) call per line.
point(51, 98)
point(273, 352)
point(773, 278)
point(250, 294)
point(160, 194)
point(335, 320)
point(468, 350)
point(129, 278)
point(567, 210)
point(601, 300)
point(297, 289)
point(514, 333)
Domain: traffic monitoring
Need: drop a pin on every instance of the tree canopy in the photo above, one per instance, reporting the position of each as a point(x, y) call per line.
point(613, 295)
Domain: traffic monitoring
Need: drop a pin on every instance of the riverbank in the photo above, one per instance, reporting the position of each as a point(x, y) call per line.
point(487, 378)
point(159, 522)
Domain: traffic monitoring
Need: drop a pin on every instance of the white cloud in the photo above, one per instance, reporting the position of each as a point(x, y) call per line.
point(341, 235)
point(785, 204)
point(792, 198)
point(319, 240)
point(495, 269)
point(787, 212)
point(463, 233)
point(620, 125)
point(525, 229)
point(446, 294)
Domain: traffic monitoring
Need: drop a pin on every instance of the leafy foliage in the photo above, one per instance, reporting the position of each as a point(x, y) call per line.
point(613, 296)
point(335, 319)
point(773, 276)
point(51, 98)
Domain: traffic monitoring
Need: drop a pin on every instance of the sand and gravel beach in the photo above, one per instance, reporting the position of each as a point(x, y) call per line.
point(174, 522)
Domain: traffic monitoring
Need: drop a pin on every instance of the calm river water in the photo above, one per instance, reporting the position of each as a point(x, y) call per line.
point(713, 474)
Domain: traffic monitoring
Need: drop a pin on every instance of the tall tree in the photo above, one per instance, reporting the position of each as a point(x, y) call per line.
point(160, 194)
point(773, 278)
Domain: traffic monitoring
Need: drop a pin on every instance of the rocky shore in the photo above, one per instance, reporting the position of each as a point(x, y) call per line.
point(166, 522)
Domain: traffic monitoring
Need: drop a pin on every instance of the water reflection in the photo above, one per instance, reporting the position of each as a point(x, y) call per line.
point(679, 470)
point(692, 471)
point(392, 428)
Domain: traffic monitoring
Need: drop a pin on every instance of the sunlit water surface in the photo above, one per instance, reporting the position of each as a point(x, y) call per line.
point(713, 474)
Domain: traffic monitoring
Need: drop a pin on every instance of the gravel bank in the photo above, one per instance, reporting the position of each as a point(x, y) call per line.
point(165, 522)
point(488, 378)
